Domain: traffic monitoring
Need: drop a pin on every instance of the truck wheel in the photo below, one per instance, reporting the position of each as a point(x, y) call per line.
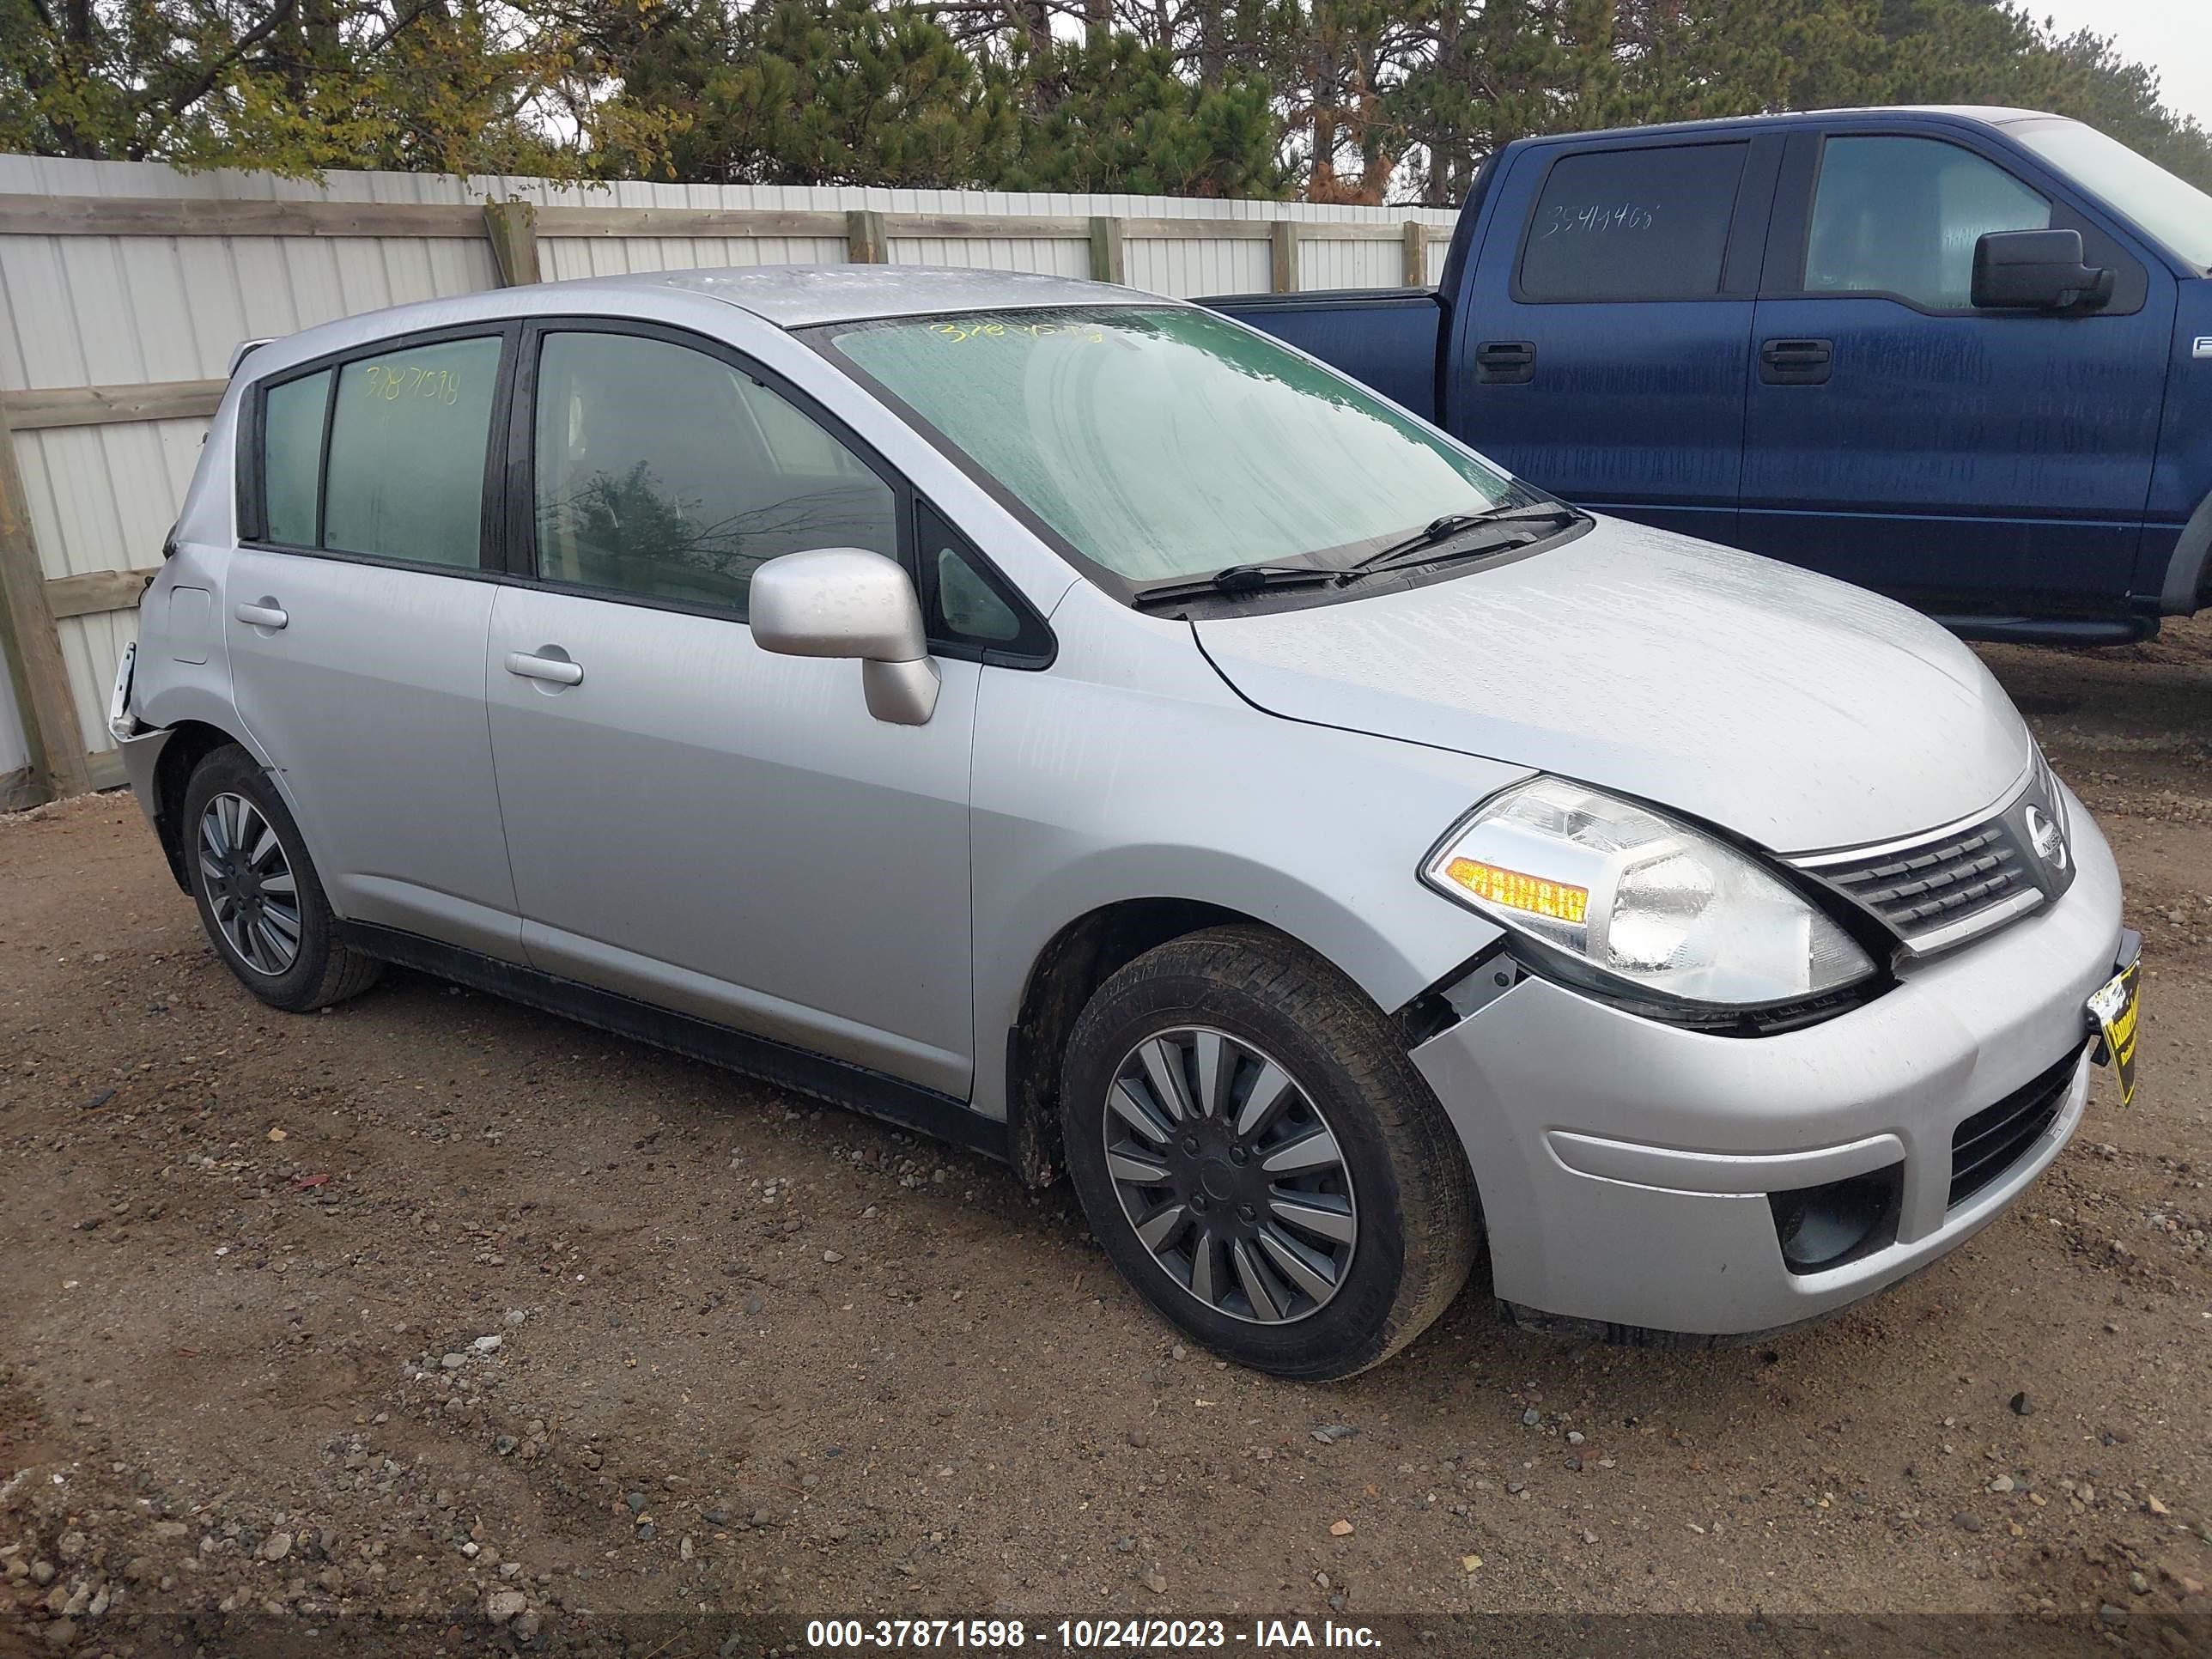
point(259, 895)
point(1260, 1159)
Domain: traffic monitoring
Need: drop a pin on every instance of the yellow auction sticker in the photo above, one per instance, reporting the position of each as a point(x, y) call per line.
point(2115, 1008)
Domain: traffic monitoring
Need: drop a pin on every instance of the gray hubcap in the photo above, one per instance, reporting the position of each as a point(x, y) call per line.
point(250, 885)
point(1231, 1176)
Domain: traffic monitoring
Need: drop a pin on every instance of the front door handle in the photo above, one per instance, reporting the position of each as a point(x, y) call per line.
point(1506, 362)
point(264, 612)
point(532, 666)
point(1795, 363)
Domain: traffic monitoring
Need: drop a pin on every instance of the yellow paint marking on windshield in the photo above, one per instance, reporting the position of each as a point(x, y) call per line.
point(959, 333)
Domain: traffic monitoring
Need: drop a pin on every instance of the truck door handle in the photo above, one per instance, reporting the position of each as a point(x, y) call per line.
point(1795, 363)
point(1506, 362)
point(264, 612)
point(535, 666)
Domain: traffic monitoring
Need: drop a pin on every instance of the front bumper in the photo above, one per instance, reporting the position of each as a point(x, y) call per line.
point(1625, 1165)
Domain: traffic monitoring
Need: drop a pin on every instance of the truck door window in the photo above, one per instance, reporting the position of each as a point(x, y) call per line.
point(1901, 215)
point(1633, 224)
point(664, 473)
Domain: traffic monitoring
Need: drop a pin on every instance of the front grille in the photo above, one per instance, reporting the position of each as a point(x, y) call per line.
point(1917, 890)
point(1952, 884)
point(1991, 1141)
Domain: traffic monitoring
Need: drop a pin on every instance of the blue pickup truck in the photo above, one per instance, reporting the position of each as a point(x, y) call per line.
point(1960, 355)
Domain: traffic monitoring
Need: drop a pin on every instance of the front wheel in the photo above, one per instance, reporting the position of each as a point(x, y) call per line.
point(1260, 1159)
point(259, 895)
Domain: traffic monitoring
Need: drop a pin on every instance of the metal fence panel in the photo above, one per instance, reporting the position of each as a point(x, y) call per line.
point(124, 311)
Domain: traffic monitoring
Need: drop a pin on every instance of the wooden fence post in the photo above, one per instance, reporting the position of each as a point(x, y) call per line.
point(1417, 254)
point(513, 228)
point(1283, 249)
point(33, 648)
point(864, 242)
point(1108, 259)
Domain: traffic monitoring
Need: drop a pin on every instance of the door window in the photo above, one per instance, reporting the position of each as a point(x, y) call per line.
point(664, 472)
point(1901, 215)
point(1633, 224)
point(406, 474)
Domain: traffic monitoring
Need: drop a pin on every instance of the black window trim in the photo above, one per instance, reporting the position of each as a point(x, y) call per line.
point(1789, 242)
point(1748, 215)
point(1032, 648)
point(252, 506)
point(521, 507)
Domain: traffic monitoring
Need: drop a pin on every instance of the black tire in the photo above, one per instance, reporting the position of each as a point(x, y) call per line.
point(1417, 1216)
point(322, 971)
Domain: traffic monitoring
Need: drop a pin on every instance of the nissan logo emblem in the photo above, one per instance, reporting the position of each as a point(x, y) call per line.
point(2042, 835)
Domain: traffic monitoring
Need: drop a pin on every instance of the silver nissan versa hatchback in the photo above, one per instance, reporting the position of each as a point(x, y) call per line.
point(1068, 722)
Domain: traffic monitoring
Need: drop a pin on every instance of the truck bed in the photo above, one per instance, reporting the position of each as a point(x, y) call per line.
point(1385, 337)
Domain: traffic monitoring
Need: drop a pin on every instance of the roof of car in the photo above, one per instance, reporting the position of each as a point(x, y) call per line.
point(1987, 114)
point(783, 296)
point(798, 296)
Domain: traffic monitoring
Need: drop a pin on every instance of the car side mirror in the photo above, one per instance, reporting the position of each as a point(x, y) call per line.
point(846, 602)
point(2037, 270)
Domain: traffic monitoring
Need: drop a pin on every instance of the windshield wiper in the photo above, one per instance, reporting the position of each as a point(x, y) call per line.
point(1439, 532)
point(1234, 581)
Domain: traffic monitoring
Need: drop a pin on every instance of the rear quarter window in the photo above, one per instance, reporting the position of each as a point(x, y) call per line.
point(1633, 224)
point(292, 457)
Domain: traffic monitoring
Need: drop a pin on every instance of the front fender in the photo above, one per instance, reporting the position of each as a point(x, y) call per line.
point(1087, 795)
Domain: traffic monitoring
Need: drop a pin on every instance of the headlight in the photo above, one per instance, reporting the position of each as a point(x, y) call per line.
point(1642, 899)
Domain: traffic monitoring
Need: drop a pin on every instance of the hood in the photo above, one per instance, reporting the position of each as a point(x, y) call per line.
point(1800, 712)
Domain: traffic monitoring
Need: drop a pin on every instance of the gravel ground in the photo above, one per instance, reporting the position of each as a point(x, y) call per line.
point(433, 1308)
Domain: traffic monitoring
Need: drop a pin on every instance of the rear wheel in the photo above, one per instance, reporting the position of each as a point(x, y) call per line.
point(259, 895)
point(1260, 1158)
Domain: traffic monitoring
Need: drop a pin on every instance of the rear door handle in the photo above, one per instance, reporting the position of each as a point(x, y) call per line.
point(264, 612)
point(1795, 363)
point(1506, 362)
point(530, 665)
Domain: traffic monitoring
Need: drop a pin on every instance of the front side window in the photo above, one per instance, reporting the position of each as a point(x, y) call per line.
point(664, 473)
point(1901, 215)
point(406, 475)
point(1633, 224)
point(1165, 442)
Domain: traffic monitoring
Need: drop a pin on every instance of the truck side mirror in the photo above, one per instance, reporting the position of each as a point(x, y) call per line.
point(2036, 271)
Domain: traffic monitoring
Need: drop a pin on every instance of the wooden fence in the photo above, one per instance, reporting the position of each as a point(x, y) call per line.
point(125, 292)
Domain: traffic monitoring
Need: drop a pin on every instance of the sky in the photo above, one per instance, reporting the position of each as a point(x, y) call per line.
point(2174, 37)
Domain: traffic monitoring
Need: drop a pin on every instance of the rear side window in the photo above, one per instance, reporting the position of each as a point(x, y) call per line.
point(382, 455)
point(407, 453)
point(663, 473)
point(1633, 224)
point(1901, 215)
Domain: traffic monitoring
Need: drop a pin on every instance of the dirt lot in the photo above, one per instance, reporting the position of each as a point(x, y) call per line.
point(389, 1312)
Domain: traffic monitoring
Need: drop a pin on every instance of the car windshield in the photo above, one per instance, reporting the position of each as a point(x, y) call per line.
point(2172, 210)
point(1167, 442)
